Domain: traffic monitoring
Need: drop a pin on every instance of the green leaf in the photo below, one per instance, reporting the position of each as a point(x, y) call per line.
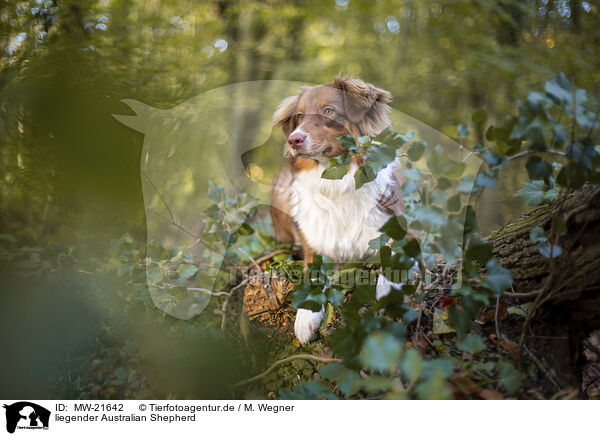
point(463, 131)
point(453, 203)
point(538, 169)
point(335, 296)
point(559, 89)
point(479, 116)
point(350, 384)
point(544, 250)
point(154, 273)
point(412, 365)
point(498, 279)
point(416, 150)
point(509, 377)
point(363, 175)
point(411, 248)
point(571, 176)
point(434, 387)
point(582, 154)
point(431, 218)
point(381, 351)
point(379, 241)
point(466, 184)
point(531, 193)
point(522, 310)
point(443, 183)
point(481, 251)
point(537, 234)
point(438, 162)
point(216, 192)
point(411, 173)
point(334, 371)
point(471, 343)
point(484, 180)
point(186, 270)
point(348, 143)
point(336, 172)
point(395, 227)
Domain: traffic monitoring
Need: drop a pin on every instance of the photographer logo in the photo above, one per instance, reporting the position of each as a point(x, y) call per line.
point(26, 415)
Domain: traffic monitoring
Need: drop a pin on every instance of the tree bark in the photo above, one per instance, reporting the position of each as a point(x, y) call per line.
point(569, 307)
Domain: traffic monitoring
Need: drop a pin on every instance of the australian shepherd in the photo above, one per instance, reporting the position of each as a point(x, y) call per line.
point(331, 217)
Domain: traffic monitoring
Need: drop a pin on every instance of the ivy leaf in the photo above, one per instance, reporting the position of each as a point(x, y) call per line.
point(480, 250)
point(572, 176)
point(471, 344)
point(395, 227)
point(379, 241)
point(334, 371)
point(431, 218)
point(453, 203)
point(531, 193)
point(348, 143)
point(434, 387)
point(416, 150)
point(411, 173)
point(538, 169)
point(544, 250)
point(582, 154)
point(498, 278)
point(350, 384)
point(509, 377)
point(466, 185)
point(412, 365)
point(153, 273)
point(363, 175)
point(381, 351)
point(412, 248)
point(463, 131)
point(537, 234)
point(559, 89)
point(484, 180)
point(216, 192)
point(335, 172)
point(186, 270)
point(479, 116)
point(335, 296)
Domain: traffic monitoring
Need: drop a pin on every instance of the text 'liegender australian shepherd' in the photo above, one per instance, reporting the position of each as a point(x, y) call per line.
point(331, 217)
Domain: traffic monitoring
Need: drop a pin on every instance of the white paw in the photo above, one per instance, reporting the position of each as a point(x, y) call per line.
point(385, 286)
point(307, 324)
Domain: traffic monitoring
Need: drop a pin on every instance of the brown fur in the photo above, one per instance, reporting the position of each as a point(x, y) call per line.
point(357, 109)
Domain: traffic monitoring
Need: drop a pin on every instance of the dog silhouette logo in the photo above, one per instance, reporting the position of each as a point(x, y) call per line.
point(26, 415)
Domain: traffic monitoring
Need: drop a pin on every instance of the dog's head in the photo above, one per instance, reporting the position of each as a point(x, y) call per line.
point(314, 119)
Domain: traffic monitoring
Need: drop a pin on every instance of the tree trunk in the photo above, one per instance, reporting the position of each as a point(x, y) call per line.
point(569, 308)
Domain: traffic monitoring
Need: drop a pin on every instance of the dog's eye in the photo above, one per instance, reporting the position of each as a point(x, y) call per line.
point(300, 116)
point(328, 111)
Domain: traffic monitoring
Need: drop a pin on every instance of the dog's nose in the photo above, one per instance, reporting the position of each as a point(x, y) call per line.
point(296, 140)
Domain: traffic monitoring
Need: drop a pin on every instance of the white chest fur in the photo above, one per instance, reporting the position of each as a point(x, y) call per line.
point(336, 219)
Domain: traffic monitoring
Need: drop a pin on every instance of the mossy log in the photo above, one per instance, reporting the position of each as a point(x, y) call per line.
point(569, 308)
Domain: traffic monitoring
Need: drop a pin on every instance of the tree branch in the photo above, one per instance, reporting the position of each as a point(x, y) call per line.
point(281, 362)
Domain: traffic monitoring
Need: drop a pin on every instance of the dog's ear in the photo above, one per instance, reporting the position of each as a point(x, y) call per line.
point(284, 114)
point(366, 106)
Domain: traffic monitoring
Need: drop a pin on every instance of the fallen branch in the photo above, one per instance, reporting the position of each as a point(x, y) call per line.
point(209, 292)
point(281, 362)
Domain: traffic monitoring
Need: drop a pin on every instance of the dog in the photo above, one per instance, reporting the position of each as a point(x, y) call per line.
point(331, 217)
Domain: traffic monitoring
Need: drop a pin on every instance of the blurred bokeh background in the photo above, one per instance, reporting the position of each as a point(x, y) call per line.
point(70, 172)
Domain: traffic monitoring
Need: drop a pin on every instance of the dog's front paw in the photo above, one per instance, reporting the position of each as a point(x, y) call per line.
point(385, 286)
point(307, 324)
